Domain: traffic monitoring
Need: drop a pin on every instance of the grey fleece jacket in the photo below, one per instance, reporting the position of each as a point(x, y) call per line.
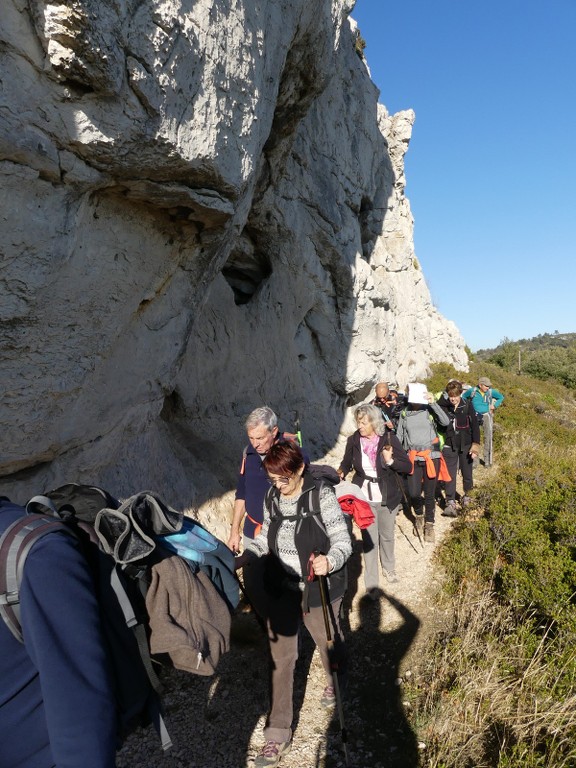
point(417, 428)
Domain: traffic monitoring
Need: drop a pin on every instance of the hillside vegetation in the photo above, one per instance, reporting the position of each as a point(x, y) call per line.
point(548, 356)
point(499, 682)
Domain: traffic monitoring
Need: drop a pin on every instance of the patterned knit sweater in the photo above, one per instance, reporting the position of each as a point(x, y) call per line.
point(332, 519)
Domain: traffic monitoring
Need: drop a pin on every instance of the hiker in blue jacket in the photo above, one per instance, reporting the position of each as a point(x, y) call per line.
point(485, 400)
point(56, 701)
point(253, 483)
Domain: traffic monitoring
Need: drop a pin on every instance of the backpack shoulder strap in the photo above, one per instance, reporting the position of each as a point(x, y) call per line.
point(311, 504)
point(271, 508)
point(15, 544)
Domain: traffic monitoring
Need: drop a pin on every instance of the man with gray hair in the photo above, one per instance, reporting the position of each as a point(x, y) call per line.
point(262, 430)
point(253, 483)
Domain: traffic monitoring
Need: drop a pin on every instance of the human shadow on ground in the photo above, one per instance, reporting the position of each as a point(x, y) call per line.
point(376, 730)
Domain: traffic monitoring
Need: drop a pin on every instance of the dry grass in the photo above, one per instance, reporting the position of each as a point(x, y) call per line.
point(488, 699)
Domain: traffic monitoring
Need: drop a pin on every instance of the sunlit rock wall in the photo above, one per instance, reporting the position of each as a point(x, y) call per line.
point(202, 211)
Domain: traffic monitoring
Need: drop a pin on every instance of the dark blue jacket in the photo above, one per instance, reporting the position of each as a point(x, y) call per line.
point(56, 703)
point(251, 487)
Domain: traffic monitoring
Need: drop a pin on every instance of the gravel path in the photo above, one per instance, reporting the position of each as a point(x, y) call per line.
point(218, 722)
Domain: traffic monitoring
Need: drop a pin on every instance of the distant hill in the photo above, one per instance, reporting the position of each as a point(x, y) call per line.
point(547, 356)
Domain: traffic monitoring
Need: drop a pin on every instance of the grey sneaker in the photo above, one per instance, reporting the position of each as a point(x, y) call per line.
point(328, 699)
point(450, 510)
point(465, 501)
point(429, 535)
point(391, 576)
point(271, 753)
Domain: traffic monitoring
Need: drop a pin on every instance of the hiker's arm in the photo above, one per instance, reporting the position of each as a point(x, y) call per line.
point(61, 628)
point(258, 547)
point(400, 460)
point(497, 398)
point(235, 527)
point(337, 530)
point(439, 414)
point(346, 464)
point(475, 428)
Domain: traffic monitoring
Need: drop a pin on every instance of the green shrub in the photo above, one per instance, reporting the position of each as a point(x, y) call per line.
point(501, 689)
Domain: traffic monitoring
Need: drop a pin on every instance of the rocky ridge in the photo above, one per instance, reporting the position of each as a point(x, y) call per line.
point(203, 210)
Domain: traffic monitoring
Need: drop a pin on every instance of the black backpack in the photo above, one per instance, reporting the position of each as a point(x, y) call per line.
point(120, 543)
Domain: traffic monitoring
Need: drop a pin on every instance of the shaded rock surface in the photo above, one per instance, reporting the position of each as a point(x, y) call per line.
point(202, 211)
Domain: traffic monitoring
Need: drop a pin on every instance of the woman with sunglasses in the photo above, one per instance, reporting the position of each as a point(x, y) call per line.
point(304, 536)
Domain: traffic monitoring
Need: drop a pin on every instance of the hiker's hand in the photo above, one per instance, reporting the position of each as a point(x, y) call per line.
point(430, 397)
point(234, 541)
point(341, 474)
point(320, 565)
point(387, 454)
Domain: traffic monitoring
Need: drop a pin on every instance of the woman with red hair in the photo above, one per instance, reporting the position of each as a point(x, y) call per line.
point(304, 536)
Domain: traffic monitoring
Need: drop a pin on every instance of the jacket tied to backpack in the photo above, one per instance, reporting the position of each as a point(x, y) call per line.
point(187, 619)
point(426, 455)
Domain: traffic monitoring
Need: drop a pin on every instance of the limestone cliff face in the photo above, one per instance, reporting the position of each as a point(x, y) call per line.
point(202, 211)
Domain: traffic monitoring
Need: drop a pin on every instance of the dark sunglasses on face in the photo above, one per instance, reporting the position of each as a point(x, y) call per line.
point(281, 480)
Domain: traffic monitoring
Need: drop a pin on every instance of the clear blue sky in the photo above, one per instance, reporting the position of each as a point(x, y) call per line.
point(491, 167)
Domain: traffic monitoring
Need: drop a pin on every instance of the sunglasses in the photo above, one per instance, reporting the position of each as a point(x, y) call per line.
point(279, 480)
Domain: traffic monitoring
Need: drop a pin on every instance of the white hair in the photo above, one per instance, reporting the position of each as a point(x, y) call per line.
point(374, 416)
point(263, 415)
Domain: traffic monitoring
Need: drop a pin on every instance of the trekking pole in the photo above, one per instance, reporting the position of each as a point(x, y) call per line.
point(297, 428)
point(333, 665)
point(408, 505)
point(406, 537)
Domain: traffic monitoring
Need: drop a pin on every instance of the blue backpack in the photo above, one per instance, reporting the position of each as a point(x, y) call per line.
point(206, 553)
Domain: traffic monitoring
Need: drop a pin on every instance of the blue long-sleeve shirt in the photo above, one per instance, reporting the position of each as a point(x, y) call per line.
point(251, 487)
point(56, 703)
point(483, 400)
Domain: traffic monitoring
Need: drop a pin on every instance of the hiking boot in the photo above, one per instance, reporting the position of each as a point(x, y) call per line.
point(465, 501)
point(271, 753)
point(450, 510)
point(418, 525)
point(429, 535)
point(328, 699)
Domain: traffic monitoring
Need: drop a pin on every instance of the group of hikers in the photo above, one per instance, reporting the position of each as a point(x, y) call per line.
point(291, 530)
point(296, 533)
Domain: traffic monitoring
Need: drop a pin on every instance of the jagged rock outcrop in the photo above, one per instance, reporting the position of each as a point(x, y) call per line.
point(202, 211)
